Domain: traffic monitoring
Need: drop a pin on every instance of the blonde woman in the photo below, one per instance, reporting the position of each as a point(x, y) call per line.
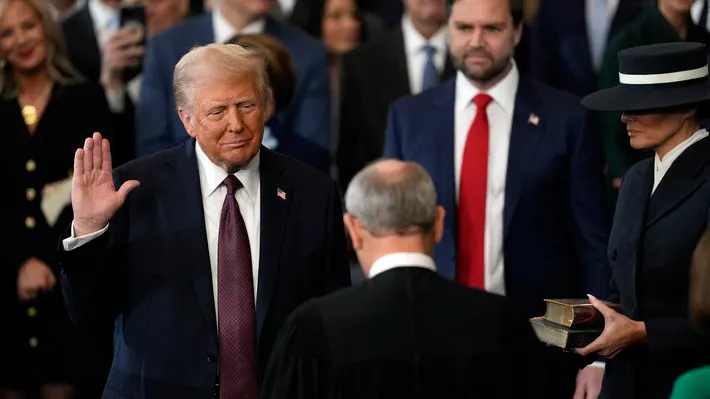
point(45, 112)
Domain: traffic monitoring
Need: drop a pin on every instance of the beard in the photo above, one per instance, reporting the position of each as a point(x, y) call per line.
point(497, 67)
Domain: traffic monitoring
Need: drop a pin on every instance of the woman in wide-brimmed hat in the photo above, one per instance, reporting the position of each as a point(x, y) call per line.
point(661, 213)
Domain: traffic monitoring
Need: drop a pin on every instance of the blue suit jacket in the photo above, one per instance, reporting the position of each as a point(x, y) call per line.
point(160, 128)
point(150, 272)
point(555, 232)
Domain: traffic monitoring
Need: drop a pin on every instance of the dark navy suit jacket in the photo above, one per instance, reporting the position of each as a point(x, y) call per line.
point(150, 272)
point(159, 126)
point(555, 232)
point(650, 251)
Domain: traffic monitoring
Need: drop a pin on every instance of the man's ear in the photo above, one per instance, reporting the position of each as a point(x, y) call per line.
point(439, 223)
point(186, 119)
point(354, 230)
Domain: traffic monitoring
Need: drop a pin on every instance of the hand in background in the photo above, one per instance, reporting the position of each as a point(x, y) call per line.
point(616, 182)
point(33, 278)
point(122, 51)
point(94, 197)
point(589, 383)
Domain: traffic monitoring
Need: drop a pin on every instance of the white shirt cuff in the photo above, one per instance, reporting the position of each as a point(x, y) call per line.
point(116, 100)
point(601, 365)
point(72, 242)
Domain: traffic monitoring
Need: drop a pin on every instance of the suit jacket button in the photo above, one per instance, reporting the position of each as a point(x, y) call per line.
point(613, 255)
point(211, 358)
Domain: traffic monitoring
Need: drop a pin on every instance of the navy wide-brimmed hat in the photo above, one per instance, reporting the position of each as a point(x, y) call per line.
point(654, 77)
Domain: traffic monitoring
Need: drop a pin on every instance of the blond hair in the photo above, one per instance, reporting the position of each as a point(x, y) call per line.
point(56, 63)
point(218, 62)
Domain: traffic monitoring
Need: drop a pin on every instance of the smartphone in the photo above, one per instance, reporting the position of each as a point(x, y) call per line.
point(133, 17)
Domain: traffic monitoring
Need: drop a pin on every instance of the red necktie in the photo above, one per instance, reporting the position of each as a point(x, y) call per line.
point(238, 377)
point(470, 267)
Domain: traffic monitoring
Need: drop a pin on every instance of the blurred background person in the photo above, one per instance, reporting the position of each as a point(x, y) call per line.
point(405, 61)
point(407, 332)
point(111, 54)
point(282, 85)
point(695, 384)
point(665, 21)
point(341, 26)
point(569, 38)
point(661, 213)
point(46, 110)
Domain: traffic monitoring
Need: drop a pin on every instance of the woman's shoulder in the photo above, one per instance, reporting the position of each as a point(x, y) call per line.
point(694, 384)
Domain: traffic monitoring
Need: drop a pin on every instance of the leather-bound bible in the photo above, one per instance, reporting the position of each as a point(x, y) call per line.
point(576, 313)
point(563, 337)
point(570, 323)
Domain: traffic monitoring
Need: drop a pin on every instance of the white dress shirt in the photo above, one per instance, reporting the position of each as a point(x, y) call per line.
point(695, 10)
point(224, 31)
point(105, 19)
point(598, 27)
point(287, 6)
point(414, 44)
point(500, 122)
point(213, 194)
point(662, 166)
point(401, 259)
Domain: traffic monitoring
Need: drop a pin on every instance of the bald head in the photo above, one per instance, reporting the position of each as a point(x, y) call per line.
point(391, 197)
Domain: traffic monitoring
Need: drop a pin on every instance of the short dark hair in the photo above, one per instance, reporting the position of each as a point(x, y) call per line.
point(517, 10)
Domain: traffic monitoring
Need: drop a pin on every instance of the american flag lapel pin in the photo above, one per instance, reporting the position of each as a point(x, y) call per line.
point(533, 119)
point(281, 193)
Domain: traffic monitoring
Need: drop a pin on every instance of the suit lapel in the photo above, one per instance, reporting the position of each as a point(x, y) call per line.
point(274, 214)
point(679, 182)
point(395, 76)
point(185, 213)
point(524, 137)
point(449, 69)
point(91, 44)
point(440, 135)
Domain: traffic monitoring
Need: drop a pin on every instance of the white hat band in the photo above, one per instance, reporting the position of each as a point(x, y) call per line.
point(660, 78)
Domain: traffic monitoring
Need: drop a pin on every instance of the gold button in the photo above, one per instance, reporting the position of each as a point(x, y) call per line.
point(31, 165)
point(34, 342)
point(32, 312)
point(30, 222)
point(31, 193)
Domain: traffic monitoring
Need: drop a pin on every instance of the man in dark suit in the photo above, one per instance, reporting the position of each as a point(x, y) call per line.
point(407, 332)
point(308, 116)
point(102, 52)
point(515, 165)
point(569, 39)
point(220, 243)
point(376, 74)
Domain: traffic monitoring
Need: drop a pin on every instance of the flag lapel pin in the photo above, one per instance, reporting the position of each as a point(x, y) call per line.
point(281, 193)
point(533, 119)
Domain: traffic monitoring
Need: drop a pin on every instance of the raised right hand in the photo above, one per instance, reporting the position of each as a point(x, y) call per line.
point(94, 197)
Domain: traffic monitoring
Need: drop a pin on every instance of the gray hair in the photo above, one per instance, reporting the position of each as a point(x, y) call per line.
point(393, 197)
point(218, 62)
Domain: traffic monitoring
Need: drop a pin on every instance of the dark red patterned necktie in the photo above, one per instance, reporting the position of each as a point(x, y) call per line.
point(237, 331)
